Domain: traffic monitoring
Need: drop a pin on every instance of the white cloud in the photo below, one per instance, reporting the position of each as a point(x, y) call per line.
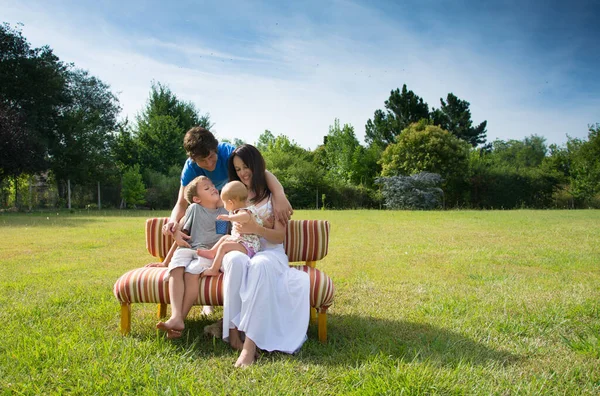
point(297, 80)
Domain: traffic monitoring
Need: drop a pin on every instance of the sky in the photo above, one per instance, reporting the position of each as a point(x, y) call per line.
point(293, 67)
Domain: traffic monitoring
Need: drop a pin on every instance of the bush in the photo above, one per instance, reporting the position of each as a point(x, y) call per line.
point(418, 191)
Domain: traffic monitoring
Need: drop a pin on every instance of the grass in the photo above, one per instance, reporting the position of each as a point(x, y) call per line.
point(458, 302)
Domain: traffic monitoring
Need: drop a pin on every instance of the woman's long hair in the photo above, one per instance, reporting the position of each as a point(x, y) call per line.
point(255, 161)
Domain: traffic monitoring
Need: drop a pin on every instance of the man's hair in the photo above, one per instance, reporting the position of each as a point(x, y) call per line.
point(235, 190)
point(199, 142)
point(191, 190)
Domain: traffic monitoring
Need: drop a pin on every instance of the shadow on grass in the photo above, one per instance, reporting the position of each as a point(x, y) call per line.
point(353, 339)
point(193, 340)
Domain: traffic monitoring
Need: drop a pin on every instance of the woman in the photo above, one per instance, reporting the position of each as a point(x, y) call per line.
point(263, 297)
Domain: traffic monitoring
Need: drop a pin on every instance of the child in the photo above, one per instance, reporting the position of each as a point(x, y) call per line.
point(185, 266)
point(234, 196)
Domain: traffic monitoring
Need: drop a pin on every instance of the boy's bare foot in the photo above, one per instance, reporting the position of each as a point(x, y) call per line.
point(171, 325)
point(206, 253)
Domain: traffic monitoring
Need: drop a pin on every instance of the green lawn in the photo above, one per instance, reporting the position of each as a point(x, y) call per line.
point(500, 302)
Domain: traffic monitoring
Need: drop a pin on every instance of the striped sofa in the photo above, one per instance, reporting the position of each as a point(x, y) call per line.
point(306, 241)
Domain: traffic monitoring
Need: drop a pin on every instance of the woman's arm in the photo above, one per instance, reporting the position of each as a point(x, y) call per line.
point(281, 206)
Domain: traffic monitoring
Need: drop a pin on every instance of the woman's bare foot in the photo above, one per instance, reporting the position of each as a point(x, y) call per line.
point(171, 324)
point(248, 354)
point(246, 359)
point(234, 340)
point(172, 334)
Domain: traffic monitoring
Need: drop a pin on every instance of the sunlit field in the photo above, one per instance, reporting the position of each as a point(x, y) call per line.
point(501, 302)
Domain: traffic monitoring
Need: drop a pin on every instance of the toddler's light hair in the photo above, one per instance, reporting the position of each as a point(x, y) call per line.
point(191, 190)
point(234, 190)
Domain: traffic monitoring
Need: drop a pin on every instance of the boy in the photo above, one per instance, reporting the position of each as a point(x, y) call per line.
point(185, 266)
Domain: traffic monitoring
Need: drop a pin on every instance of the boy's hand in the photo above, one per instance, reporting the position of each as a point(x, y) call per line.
point(223, 217)
point(210, 272)
point(154, 265)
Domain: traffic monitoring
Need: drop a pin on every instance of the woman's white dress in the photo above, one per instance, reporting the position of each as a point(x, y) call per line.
point(265, 298)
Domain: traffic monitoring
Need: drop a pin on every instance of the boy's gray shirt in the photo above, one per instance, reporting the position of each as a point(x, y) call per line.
point(200, 225)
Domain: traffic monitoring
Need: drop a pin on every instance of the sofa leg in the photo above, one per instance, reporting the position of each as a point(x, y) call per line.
point(125, 318)
point(323, 327)
point(162, 310)
point(313, 315)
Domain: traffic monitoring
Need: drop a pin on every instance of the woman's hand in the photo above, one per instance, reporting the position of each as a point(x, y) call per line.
point(282, 209)
point(249, 227)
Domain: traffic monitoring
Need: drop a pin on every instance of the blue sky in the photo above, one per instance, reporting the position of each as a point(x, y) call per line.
point(527, 67)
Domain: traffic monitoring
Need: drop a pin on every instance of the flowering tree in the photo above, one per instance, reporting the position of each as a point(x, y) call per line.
point(418, 191)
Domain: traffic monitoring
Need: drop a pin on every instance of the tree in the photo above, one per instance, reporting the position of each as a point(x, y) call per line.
point(427, 148)
point(125, 149)
point(162, 126)
point(402, 109)
point(32, 93)
point(455, 117)
point(21, 151)
point(293, 166)
point(526, 153)
point(81, 151)
point(132, 187)
point(343, 153)
point(585, 166)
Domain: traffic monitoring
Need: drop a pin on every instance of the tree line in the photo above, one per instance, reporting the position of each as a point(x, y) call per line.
point(63, 146)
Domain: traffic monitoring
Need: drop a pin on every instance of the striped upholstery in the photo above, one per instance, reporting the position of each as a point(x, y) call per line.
point(306, 240)
point(321, 288)
point(157, 244)
point(149, 285)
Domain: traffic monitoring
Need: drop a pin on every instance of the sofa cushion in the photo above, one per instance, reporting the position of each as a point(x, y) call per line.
point(150, 285)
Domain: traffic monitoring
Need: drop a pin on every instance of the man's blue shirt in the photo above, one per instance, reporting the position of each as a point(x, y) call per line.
point(219, 176)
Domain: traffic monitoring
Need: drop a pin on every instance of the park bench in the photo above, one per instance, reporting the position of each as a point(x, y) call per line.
point(306, 241)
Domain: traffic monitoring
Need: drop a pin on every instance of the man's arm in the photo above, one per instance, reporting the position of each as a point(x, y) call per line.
point(172, 226)
point(177, 212)
point(281, 206)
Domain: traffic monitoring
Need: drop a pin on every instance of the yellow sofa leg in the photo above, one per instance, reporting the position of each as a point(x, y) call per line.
point(162, 310)
point(125, 318)
point(323, 326)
